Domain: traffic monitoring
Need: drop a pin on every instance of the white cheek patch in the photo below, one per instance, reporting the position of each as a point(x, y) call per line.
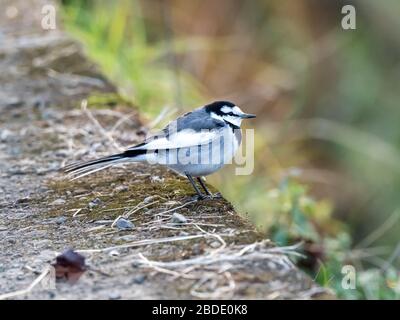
point(226, 109)
point(236, 110)
point(234, 120)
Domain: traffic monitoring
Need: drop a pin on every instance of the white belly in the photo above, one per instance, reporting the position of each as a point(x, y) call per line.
point(200, 160)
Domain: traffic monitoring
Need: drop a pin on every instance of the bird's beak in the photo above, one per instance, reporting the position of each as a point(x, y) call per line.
point(247, 116)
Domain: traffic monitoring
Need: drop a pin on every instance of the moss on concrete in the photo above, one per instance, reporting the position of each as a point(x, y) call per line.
point(99, 100)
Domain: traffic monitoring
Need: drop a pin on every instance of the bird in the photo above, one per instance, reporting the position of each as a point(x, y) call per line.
point(195, 145)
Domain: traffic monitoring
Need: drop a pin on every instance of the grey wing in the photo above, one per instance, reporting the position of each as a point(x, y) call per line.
point(193, 128)
point(196, 120)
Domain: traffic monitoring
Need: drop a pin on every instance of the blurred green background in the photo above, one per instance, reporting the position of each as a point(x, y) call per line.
point(327, 155)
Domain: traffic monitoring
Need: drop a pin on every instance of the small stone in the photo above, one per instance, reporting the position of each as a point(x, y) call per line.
point(139, 279)
point(156, 179)
point(121, 189)
point(60, 220)
point(79, 191)
point(178, 218)
point(94, 203)
point(123, 224)
point(149, 199)
point(23, 200)
point(215, 244)
point(149, 212)
point(114, 296)
point(57, 202)
point(114, 253)
point(4, 135)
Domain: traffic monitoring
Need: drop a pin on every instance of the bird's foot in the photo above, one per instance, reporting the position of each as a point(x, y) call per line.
point(216, 195)
point(197, 197)
point(212, 196)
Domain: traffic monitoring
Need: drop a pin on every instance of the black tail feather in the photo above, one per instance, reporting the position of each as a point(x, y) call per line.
point(86, 164)
point(81, 166)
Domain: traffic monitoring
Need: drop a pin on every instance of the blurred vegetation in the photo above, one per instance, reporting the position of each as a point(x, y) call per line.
point(327, 105)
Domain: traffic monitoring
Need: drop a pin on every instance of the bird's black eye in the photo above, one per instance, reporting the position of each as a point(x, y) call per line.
point(229, 114)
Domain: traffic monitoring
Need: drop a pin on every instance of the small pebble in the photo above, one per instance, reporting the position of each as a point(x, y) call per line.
point(149, 211)
point(139, 279)
point(114, 253)
point(23, 200)
point(156, 179)
point(123, 224)
point(149, 199)
point(121, 189)
point(215, 244)
point(94, 203)
point(60, 220)
point(178, 218)
point(114, 296)
point(57, 202)
point(51, 294)
point(4, 135)
point(79, 191)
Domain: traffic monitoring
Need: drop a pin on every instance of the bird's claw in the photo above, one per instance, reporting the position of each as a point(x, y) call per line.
point(216, 195)
point(201, 197)
point(198, 197)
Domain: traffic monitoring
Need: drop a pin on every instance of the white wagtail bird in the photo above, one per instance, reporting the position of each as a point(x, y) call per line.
point(196, 144)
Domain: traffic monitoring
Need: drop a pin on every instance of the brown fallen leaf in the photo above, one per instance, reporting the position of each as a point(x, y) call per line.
point(69, 266)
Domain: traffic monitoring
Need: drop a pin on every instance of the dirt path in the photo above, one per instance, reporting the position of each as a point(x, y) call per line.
point(210, 252)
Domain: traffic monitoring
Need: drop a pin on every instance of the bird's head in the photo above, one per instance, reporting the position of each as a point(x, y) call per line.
point(228, 112)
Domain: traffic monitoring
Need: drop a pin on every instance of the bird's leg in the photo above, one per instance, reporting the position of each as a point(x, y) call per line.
point(204, 186)
point(212, 195)
point(199, 194)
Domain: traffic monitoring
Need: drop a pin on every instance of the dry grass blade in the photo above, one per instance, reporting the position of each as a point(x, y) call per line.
point(138, 207)
point(176, 208)
point(143, 243)
point(99, 126)
point(29, 288)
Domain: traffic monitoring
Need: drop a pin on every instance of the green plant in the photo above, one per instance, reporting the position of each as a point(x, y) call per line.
point(115, 37)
